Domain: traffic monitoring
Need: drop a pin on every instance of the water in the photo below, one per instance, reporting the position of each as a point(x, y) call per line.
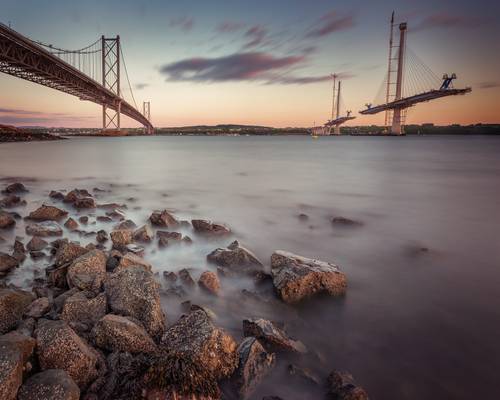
point(413, 325)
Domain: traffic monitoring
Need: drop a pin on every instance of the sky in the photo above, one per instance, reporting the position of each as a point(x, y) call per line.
point(262, 62)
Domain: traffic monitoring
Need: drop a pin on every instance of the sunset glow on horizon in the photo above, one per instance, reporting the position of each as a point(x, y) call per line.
point(260, 63)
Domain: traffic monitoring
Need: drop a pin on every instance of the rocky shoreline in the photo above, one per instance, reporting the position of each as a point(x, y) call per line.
point(93, 326)
point(12, 134)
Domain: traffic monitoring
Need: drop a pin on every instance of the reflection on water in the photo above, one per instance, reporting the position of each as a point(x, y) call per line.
point(415, 324)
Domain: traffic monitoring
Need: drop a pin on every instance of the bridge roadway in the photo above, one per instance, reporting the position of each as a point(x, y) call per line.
point(22, 58)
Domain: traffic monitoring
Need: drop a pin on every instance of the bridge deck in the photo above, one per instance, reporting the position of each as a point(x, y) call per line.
point(412, 100)
point(22, 58)
point(339, 121)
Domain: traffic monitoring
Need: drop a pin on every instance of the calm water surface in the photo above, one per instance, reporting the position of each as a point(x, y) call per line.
point(414, 324)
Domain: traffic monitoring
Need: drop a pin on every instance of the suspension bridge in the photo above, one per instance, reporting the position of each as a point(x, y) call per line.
point(92, 73)
point(408, 82)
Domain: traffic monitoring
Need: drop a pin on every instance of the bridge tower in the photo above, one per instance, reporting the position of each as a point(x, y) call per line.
point(111, 81)
point(336, 130)
point(146, 111)
point(398, 113)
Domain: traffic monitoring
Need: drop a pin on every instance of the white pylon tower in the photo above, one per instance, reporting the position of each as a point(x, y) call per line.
point(397, 117)
point(336, 130)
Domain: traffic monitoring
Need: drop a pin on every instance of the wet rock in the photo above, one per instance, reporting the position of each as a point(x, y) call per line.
point(11, 372)
point(83, 219)
point(71, 224)
point(254, 364)
point(52, 384)
point(47, 213)
point(16, 187)
point(116, 214)
point(209, 282)
point(271, 337)
point(185, 277)
point(38, 308)
point(36, 244)
point(208, 227)
point(163, 219)
point(84, 203)
point(35, 255)
point(13, 304)
point(88, 271)
point(169, 235)
point(76, 194)
point(296, 278)
point(341, 386)
point(6, 220)
point(117, 333)
point(23, 343)
point(236, 257)
point(121, 238)
point(134, 292)
point(143, 234)
point(127, 224)
point(59, 347)
point(12, 201)
point(7, 263)
point(130, 260)
point(59, 300)
point(135, 249)
point(104, 218)
point(80, 308)
point(26, 327)
point(56, 195)
point(302, 374)
point(342, 221)
point(195, 338)
point(19, 251)
point(102, 236)
point(45, 228)
point(187, 240)
point(303, 217)
point(169, 276)
point(68, 252)
point(162, 242)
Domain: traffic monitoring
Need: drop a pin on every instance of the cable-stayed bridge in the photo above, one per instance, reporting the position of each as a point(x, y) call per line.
point(91, 73)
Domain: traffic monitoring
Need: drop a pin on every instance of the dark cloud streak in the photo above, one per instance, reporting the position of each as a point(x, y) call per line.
point(330, 23)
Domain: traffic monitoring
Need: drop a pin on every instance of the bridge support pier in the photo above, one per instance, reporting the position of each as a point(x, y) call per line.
point(397, 126)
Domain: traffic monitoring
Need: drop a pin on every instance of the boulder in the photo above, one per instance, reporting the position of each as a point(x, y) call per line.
point(102, 236)
point(11, 371)
point(185, 277)
point(235, 257)
point(345, 222)
point(80, 308)
point(134, 292)
point(52, 384)
point(88, 271)
point(209, 282)
point(104, 218)
point(117, 333)
point(169, 235)
point(36, 244)
point(13, 304)
point(23, 343)
point(76, 194)
point(131, 259)
point(127, 224)
point(7, 262)
point(19, 251)
point(163, 219)
point(296, 278)
point(83, 219)
point(12, 201)
point(143, 234)
point(68, 252)
point(54, 194)
point(208, 227)
point(71, 224)
point(341, 386)
point(45, 228)
point(121, 238)
point(6, 220)
point(59, 347)
point(303, 375)
point(84, 202)
point(195, 338)
point(16, 187)
point(272, 338)
point(254, 364)
point(38, 308)
point(47, 213)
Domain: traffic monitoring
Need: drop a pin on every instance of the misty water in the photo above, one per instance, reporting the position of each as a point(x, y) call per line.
point(414, 324)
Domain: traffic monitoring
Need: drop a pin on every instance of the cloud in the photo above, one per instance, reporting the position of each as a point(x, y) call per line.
point(229, 26)
point(140, 86)
point(256, 35)
point(330, 23)
point(439, 20)
point(489, 85)
point(17, 116)
point(183, 23)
